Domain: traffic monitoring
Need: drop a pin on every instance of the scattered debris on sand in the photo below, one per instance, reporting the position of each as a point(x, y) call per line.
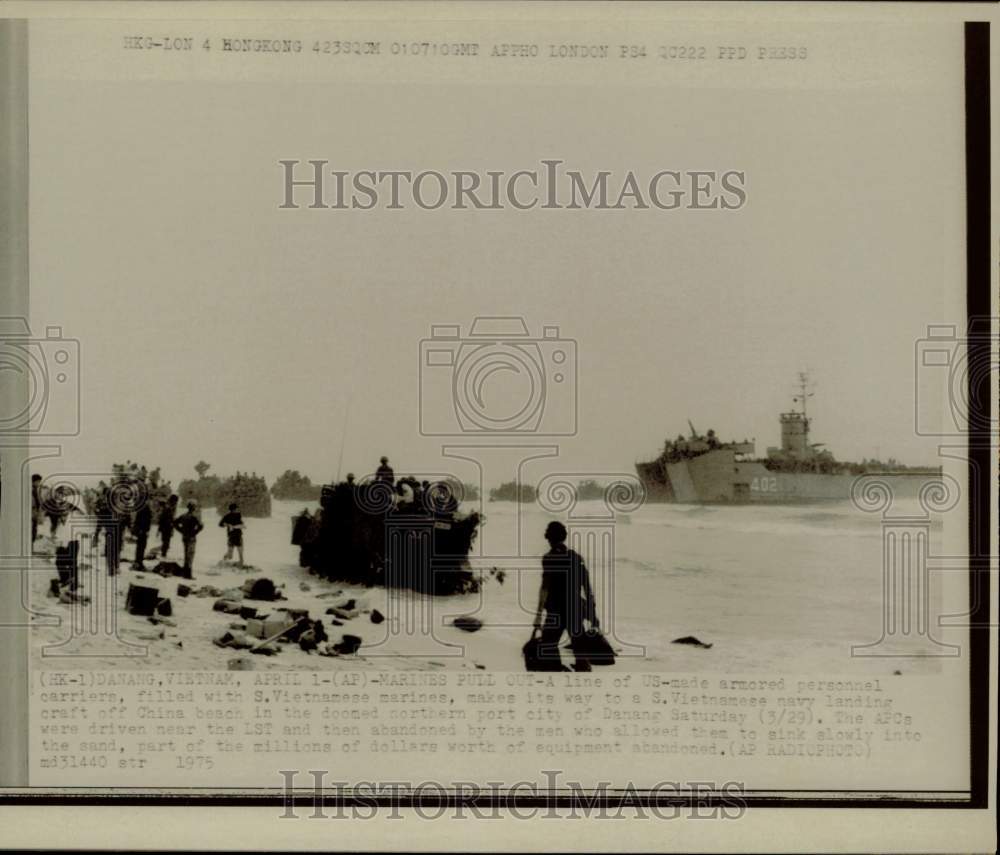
point(349, 644)
point(692, 641)
point(230, 607)
point(262, 589)
point(142, 600)
point(343, 614)
point(311, 638)
point(208, 591)
point(171, 568)
point(235, 640)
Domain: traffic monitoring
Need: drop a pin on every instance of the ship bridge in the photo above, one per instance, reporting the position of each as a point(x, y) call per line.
point(795, 434)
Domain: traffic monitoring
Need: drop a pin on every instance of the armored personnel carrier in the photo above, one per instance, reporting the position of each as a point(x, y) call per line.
point(378, 533)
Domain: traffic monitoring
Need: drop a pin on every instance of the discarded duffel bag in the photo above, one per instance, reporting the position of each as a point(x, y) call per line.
point(534, 660)
point(260, 589)
point(348, 645)
point(142, 600)
point(466, 622)
point(593, 646)
point(169, 568)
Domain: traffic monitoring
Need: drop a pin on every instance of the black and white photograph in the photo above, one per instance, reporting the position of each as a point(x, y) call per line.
point(588, 399)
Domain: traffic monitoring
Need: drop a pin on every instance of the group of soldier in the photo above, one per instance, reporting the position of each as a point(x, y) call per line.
point(134, 502)
point(409, 494)
point(565, 602)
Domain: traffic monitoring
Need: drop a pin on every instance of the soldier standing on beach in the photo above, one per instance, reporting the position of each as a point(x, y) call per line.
point(102, 511)
point(233, 521)
point(189, 526)
point(384, 472)
point(166, 525)
point(114, 535)
point(58, 507)
point(140, 527)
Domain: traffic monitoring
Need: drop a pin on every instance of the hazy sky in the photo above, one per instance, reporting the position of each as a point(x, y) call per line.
point(213, 325)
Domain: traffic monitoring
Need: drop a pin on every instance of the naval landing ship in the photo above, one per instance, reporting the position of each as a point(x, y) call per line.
point(702, 470)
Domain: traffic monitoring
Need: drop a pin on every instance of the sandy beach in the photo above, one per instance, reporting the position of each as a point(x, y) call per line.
point(768, 588)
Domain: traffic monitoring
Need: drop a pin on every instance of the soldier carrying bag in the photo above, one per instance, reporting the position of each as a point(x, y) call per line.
point(537, 660)
point(592, 646)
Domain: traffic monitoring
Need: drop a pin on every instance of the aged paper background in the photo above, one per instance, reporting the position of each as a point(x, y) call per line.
point(859, 59)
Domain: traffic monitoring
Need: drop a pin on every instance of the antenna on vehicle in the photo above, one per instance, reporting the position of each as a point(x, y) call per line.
point(343, 436)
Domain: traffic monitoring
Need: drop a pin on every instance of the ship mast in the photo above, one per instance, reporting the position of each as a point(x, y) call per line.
point(803, 396)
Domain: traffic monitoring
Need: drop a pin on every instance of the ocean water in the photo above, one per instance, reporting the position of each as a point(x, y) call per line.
point(769, 587)
point(789, 589)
